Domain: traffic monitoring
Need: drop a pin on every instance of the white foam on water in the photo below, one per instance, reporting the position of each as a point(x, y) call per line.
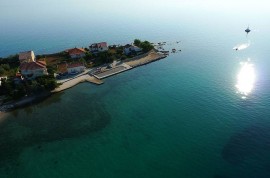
point(242, 46)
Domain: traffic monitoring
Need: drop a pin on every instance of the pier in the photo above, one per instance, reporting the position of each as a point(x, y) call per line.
point(71, 83)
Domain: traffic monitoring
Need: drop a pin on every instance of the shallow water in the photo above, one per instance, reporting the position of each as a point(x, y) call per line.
point(182, 116)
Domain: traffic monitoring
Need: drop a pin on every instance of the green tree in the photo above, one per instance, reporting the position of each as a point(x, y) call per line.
point(119, 50)
point(82, 60)
point(18, 92)
point(123, 57)
point(88, 56)
point(50, 84)
point(34, 86)
point(51, 70)
point(137, 42)
point(2, 71)
point(5, 66)
point(146, 46)
point(46, 82)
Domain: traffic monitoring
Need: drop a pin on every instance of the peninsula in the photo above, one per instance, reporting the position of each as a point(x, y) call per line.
point(26, 78)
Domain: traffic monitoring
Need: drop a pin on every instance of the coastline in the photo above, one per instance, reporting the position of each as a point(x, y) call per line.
point(128, 64)
point(25, 101)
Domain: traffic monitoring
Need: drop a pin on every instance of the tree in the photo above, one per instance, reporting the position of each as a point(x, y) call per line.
point(82, 60)
point(50, 84)
point(13, 61)
point(19, 92)
point(88, 56)
point(146, 46)
point(137, 42)
point(51, 70)
point(123, 57)
point(47, 82)
point(2, 71)
point(5, 66)
point(119, 50)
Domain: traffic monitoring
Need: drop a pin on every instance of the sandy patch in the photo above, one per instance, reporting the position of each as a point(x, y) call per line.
point(150, 57)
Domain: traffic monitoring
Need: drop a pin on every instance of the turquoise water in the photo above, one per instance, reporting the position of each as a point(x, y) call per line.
point(182, 116)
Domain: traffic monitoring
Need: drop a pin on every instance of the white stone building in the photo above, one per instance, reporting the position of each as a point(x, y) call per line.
point(75, 68)
point(128, 49)
point(98, 47)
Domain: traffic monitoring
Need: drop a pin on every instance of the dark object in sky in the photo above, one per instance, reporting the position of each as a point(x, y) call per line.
point(247, 30)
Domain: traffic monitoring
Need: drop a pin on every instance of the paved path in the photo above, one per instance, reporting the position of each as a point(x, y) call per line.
point(120, 68)
point(77, 80)
point(74, 76)
point(145, 59)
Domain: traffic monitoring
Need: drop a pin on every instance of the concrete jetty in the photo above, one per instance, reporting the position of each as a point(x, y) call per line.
point(116, 70)
point(71, 83)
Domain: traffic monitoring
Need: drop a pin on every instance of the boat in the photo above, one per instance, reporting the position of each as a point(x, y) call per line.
point(247, 30)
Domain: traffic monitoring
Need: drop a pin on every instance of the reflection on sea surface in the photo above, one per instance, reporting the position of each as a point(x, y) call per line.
point(246, 79)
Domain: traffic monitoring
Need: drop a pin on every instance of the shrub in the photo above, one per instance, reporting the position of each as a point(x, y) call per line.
point(137, 42)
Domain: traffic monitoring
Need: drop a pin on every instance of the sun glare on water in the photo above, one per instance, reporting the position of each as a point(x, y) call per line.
point(246, 79)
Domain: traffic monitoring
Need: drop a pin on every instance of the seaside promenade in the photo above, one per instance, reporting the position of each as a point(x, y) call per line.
point(131, 63)
point(121, 67)
point(96, 77)
point(68, 83)
point(143, 59)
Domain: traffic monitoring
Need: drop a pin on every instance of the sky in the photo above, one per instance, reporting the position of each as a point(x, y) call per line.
point(22, 10)
point(133, 6)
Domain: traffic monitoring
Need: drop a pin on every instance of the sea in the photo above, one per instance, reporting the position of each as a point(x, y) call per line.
point(202, 112)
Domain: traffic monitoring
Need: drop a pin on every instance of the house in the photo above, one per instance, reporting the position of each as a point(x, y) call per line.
point(62, 69)
point(31, 70)
point(74, 68)
point(129, 49)
point(27, 56)
point(76, 53)
point(98, 47)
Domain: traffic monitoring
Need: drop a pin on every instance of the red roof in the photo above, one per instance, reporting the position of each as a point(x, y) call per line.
point(75, 51)
point(99, 45)
point(62, 68)
point(42, 62)
point(72, 65)
point(33, 65)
